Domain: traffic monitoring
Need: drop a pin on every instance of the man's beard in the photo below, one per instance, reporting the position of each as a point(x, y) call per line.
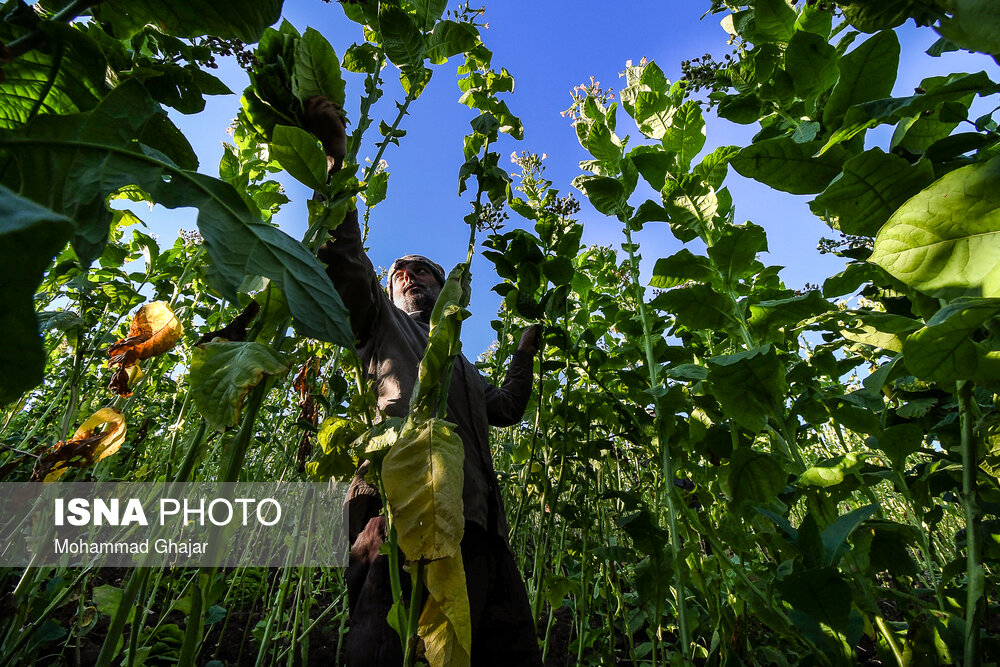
point(418, 299)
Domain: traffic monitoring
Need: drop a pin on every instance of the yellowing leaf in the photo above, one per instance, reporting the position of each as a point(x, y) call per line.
point(154, 330)
point(423, 478)
point(85, 448)
point(445, 624)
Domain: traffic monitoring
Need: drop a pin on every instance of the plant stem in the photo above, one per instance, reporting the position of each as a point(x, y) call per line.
point(416, 593)
point(666, 461)
point(976, 575)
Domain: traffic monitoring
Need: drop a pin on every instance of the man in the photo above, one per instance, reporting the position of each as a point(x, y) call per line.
point(391, 333)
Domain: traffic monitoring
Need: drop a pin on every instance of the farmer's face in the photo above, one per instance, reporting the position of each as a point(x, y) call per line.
point(414, 288)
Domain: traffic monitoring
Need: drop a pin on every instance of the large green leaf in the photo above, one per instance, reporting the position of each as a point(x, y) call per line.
point(974, 25)
point(679, 268)
point(735, 250)
point(72, 163)
point(428, 12)
point(869, 16)
point(245, 20)
point(654, 113)
point(789, 166)
point(606, 194)
point(692, 206)
point(423, 477)
point(317, 69)
point(944, 350)
point(835, 535)
point(874, 184)
point(224, 372)
point(749, 385)
point(936, 92)
point(769, 317)
point(697, 308)
point(66, 77)
point(755, 477)
point(29, 236)
point(945, 241)
point(866, 73)
point(404, 45)
point(685, 135)
point(299, 154)
point(821, 603)
point(774, 19)
point(450, 38)
point(812, 64)
point(882, 330)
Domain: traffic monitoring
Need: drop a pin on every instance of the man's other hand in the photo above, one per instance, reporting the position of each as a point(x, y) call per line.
point(324, 118)
point(531, 339)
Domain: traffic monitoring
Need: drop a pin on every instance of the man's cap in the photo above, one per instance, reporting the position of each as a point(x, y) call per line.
point(434, 267)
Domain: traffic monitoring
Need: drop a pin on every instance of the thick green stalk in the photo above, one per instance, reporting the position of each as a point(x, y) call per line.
point(976, 575)
point(231, 471)
point(416, 592)
point(117, 626)
point(666, 461)
point(373, 92)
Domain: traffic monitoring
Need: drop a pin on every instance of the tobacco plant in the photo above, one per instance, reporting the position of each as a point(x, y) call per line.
point(715, 468)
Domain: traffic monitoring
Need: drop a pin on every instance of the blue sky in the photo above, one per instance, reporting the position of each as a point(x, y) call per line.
point(548, 47)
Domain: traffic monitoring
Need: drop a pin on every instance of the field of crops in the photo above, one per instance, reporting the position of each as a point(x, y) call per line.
point(713, 469)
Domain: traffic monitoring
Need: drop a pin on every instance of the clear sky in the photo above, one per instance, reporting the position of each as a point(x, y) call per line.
point(548, 47)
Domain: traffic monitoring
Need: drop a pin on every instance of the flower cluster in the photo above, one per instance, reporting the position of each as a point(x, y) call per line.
point(580, 94)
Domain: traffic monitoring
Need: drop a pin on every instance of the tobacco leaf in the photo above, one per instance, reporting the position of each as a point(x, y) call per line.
point(85, 448)
point(423, 478)
point(223, 373)
point(445, 624)
point(154, 330)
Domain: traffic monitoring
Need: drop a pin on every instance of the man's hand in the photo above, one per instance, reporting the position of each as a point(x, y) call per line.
point(531, 339)
point(323, 117)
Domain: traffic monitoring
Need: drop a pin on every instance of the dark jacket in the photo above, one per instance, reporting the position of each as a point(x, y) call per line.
point(391, 344)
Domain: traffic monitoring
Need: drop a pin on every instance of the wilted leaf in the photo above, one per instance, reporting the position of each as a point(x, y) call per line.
point(223, 373)
point(445, 624)
point(85, 448)
point(154, 330)
point(423, 478)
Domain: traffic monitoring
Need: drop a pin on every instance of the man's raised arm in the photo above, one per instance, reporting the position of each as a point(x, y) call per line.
point(505, 405)
point(347, 264)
